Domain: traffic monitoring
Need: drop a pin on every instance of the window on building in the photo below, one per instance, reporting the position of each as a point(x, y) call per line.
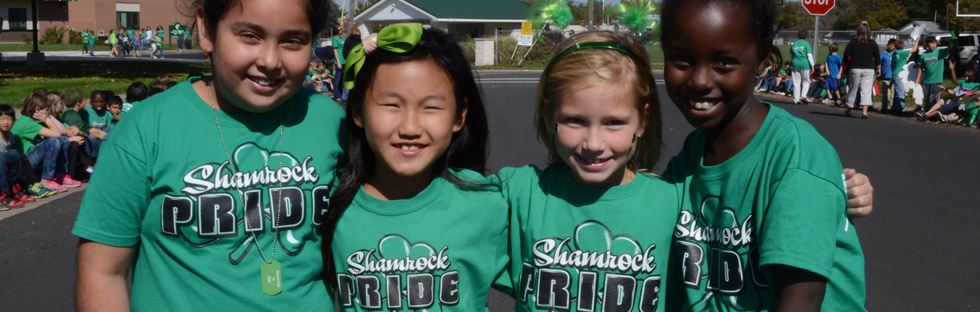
point(127, 20)
point(18, 19)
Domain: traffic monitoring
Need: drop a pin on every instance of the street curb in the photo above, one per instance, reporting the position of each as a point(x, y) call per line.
point(41, 202)
point(788, 100)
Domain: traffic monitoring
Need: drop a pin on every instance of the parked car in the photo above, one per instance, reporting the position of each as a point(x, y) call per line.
point(968, 54)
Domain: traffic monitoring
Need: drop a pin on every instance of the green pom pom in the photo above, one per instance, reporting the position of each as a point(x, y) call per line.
point(555, 12)
point(634, 14)
point(562, 17)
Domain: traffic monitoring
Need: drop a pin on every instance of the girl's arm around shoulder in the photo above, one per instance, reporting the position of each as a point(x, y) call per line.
point(816, 155)
point(860, 193)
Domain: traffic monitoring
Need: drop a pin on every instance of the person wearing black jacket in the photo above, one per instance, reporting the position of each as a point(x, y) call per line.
point(352, 40)
point(862, 57)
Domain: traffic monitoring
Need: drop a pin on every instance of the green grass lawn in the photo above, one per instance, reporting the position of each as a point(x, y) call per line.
point(17, 80)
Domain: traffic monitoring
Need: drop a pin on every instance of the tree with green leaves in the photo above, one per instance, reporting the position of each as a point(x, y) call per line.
point(964, 23)
point(791, 15)
point(333, 17)
point(878, 13)
point(363, 5)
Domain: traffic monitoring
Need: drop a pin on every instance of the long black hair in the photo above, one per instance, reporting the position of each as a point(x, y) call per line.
point(467, 150)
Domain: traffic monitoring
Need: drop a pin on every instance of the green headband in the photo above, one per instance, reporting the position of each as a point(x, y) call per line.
point(589, 45)
point(398, 38)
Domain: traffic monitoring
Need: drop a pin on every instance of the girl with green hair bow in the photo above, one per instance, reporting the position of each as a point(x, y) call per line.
point(413, 222)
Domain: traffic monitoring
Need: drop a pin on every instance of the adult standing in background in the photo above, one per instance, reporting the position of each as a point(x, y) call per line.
point(179, 33)
point(802, 65)
point(92, 39)
point(862, 55)
point(353, 39)
point(85, 41)
point(339, 91)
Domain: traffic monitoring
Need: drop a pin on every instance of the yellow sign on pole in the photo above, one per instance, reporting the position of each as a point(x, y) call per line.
point(526, 28)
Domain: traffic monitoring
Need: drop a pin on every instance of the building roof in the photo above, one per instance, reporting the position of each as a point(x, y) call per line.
point(930, 27)
point(457, 9)
point(474, 9)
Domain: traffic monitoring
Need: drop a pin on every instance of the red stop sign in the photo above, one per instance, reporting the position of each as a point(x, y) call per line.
point(818, 7)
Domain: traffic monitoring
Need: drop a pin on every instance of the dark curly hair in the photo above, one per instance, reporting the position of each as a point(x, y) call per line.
point(760, 13)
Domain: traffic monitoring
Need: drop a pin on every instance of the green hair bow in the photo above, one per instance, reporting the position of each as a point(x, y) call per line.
point(555, 12)
point(634, 14)
point(398, 38)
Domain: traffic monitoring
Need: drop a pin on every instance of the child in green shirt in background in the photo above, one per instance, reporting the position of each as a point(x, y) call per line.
point(931, 69)
point(900, 57)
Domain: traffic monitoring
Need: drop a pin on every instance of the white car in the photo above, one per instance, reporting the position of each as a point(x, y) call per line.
point(967, 43)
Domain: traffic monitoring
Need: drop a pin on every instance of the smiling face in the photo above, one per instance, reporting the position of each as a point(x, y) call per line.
point(711, 63)
point(409, 117)
point(594, 132)
point(261, 49)
point(98, 101)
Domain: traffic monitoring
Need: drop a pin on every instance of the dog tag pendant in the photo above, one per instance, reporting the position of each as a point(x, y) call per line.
point(271, 277)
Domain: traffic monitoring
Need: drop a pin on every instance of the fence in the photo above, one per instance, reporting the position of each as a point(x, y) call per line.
point(841, 37)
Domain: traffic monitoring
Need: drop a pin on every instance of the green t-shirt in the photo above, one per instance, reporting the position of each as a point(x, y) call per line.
point(800, 50)
point(165, 185)
point(580, 248)
point(932, 64)
point(126, 107)
point(130, 33)
point(899, 59)
point(112, 39)
point(26, 131)
point(439, 250)
point(338, 45)
point(779, 201)
point(96, 119)
point(92, 39)
point(72, 118)
point(84, 37)
point(967, 85)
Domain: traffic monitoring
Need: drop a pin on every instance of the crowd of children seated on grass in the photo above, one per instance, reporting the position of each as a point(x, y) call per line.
point(52, 146)
point(900, 72)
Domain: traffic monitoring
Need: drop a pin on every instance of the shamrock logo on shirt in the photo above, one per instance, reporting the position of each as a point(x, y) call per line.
point(253, 171)
point(595, 236)
point(721, 224)
point(394, 246)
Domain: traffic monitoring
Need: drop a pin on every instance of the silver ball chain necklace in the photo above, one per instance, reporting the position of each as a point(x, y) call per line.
point(270, 269)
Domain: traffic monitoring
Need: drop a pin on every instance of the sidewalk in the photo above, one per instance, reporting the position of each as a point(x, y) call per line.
point(186, 56)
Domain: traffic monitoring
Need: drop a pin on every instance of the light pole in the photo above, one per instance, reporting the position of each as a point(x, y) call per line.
point(35, 57)
point(591, 12)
